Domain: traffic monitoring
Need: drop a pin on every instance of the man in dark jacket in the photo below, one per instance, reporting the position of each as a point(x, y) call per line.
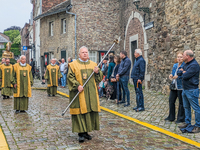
point(123, 76)
point(190, 94)
point(137, 75)
point(32, 64)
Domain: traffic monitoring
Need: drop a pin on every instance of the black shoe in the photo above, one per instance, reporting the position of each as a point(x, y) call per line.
point(178, 121)
point(134, 108)
point(53, 95)
point(139, 109)
point(17, 111)
point(4, 97)
point(22, 111)
point(126, 105)
point(196, 129)
point(184, 125)
point(87, 136)
point(81, 137)
point(121, 102)
point(168, 119)
point(49, 95)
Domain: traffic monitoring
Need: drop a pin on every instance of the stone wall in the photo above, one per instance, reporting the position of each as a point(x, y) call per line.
point(59, 41)
point(97, 23)
point(177, 29)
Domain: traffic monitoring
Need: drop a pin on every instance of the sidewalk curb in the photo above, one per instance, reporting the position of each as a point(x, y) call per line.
point(155, 128)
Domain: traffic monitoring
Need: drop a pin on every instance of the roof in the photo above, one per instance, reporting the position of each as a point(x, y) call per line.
point(3, 40)
point(5, 36)
point(54, 10)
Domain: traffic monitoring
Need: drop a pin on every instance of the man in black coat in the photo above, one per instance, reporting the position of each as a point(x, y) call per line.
point(32, 64)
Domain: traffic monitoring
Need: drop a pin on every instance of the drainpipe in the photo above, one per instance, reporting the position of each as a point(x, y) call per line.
point(67, 11)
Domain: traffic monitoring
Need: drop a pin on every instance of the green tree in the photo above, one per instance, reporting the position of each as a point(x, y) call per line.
point(12, 34)
point(17, 40)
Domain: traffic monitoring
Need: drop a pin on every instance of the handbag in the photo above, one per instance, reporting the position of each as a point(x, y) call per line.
point(172, 86)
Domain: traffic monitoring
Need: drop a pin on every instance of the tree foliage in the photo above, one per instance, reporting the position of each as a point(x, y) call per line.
point(17, 40)
point(12, 34)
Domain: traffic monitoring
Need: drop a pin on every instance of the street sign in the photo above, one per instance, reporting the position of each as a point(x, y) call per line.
point(149, 25)
point(24, 48)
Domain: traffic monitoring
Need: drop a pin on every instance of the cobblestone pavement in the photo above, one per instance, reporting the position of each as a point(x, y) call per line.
point(156, 110)
point(43, 127)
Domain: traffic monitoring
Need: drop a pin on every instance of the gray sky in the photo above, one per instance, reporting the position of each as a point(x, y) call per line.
point(14, 13)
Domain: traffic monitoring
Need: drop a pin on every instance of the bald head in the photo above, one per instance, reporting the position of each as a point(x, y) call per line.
point(188, 55)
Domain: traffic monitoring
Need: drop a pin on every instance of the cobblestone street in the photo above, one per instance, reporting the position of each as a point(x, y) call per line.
point(43, 127)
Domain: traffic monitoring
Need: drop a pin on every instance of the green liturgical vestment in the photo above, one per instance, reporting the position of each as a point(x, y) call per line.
point(52, 74)
point(6, 74)
point(22, 76)
point(85, 108)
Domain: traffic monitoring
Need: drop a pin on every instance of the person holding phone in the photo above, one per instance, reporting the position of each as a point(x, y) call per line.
point(176, 92)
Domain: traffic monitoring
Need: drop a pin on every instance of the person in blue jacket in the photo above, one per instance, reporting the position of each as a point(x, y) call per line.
point(190, 94)
point(137, 75)
point(123, 76)
point(176, 92)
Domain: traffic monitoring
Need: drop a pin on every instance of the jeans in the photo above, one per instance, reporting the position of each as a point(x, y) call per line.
point(101, 92)
point(190, 98)
point(124, 84)
point(140, 102)
point(119, 93)
point(63, 79)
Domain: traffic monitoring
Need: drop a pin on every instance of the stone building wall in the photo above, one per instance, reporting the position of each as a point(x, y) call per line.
point(59, 41)
point(177, 29)
point(97, 23)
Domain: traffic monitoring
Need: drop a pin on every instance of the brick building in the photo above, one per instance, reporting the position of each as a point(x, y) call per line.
point(25, 40)
point(159, 27)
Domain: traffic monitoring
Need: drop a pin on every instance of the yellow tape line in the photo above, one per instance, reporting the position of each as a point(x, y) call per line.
point(176, 136)
point(3, 143)
point(155, 128)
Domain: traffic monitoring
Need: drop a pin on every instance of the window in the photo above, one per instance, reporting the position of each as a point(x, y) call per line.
point(1, 46)
point(93, 55)
point(63, 26)
point(50, 28)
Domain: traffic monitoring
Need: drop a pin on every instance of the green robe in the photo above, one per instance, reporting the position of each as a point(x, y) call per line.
point(84, 122)
point(52, 88)
point(21, 100)
point(6, 74)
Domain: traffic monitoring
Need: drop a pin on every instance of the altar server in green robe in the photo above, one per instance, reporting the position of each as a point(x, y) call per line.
point(52, 75)
point(85, 108)
point(22, 81)
point(6, 78)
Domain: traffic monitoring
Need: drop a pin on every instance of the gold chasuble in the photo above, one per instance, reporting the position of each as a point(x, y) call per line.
point(6, 74)
point(52, 74)
point(22, 76)
point(85, 108)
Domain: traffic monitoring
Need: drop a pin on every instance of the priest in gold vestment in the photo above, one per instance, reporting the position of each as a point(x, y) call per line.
point(85, 108)
point(52, 75)
point(6, 79)
point(22, 81)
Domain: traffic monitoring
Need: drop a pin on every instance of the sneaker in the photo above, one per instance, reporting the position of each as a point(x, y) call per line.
point(183, 125)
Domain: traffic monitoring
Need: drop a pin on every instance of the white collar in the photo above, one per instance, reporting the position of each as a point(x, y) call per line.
point(82, 60)
point(22, 64)
point(53, 64)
